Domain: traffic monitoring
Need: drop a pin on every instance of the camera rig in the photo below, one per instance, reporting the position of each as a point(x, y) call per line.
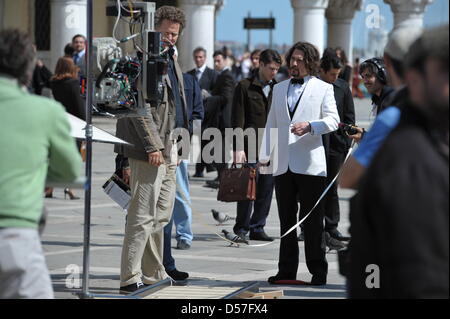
point(124, 84)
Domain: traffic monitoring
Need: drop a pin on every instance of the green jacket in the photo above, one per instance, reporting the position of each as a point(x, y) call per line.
point(35, 144)
point(153, 132)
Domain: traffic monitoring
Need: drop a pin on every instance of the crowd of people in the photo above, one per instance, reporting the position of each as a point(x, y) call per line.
point(303, 101)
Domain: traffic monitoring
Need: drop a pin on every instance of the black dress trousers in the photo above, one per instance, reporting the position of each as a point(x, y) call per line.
point(307, 188)
point(331, 199)
point(245, 220)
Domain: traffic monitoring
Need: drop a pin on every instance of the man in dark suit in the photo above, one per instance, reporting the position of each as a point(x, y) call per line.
point(218, 105)
point(336, 143)
point(182, 212)
point(251, 105)
point(207, 78)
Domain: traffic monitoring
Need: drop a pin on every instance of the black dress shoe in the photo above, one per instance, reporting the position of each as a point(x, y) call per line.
point(243, 236)
point(260, 236)
point(131, 288)
point(278, 277)
point(198, 175)
point(318, 280)
point(178, 275)
point(336, 234)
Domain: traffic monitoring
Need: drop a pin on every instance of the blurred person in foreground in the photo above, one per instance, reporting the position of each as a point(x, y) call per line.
point(400, 225)
point(36, 146)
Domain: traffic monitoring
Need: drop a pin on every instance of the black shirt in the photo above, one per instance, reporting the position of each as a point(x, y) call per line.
point(383, 101)
point(400, 220)
point(179, 120)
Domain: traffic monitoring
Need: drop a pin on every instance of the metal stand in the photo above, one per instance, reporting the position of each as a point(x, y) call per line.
point(89, 130)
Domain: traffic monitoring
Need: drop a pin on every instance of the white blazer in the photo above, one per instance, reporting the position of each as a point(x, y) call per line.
point(302, 155)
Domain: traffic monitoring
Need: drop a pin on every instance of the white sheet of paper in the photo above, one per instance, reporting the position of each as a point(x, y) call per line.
point(78, 131)
point(118, 195)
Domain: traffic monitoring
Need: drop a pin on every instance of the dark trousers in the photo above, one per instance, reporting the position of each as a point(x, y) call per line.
point(289, 187)
point(168, 261)
point(255, 222)
point(331, 199)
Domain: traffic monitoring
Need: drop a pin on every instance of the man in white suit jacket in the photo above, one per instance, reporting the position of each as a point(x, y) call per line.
point(303, 109)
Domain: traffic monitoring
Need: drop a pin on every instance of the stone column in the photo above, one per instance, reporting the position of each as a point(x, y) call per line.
point(340, 14)
point(199, 31)
point(69, 17)
point(309, 21)
point(408, 12)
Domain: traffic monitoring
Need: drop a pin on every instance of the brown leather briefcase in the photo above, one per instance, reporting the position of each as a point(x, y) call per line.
point(237, 184)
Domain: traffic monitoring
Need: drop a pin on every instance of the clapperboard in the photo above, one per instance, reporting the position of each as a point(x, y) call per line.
point(118, 191)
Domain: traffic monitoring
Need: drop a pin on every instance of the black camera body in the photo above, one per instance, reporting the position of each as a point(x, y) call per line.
point(155, 66)
point(348, 129)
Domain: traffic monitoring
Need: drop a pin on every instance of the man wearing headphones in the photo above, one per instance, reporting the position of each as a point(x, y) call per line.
point(374, 75)
point(390, 105)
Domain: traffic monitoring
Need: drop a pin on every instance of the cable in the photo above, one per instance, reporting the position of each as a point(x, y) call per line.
point(119, 14)
point(131, 7)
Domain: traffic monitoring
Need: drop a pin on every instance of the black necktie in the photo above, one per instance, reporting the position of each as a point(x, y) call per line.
point(297, 81)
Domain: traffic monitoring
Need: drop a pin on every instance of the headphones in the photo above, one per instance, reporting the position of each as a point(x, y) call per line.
point(381, 69)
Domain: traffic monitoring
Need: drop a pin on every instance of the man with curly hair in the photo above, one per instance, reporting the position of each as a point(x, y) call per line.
point(303, 109)
point(153, 161)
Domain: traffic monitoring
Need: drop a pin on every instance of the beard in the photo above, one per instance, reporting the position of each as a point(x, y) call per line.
point(294, 72)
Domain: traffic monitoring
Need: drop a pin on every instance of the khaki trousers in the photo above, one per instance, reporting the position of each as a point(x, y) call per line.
point(153, 195)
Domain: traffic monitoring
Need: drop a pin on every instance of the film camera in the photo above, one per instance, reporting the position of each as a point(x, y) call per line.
point(125, 84)
point(349, 129)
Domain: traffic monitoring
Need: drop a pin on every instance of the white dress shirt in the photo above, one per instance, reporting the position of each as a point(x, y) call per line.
point(295, 91)
point(199, 71)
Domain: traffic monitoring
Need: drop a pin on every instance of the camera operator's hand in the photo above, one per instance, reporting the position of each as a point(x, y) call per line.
point(126, 173)
point(156, 158)
point(167, 43)
point(358, 136)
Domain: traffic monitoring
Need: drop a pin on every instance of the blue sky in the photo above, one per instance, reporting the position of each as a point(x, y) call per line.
point(230, 20)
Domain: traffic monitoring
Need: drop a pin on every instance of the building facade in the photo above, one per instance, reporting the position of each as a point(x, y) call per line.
point(53, 23)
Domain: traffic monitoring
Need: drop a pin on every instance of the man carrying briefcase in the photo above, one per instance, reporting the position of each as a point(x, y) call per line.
point(251, 105)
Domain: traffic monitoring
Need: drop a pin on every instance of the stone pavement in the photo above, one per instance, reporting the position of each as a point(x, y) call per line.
point(210, 257)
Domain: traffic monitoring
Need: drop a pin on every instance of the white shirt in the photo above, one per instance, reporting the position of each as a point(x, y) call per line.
point(199, 71)
point(295, 91)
